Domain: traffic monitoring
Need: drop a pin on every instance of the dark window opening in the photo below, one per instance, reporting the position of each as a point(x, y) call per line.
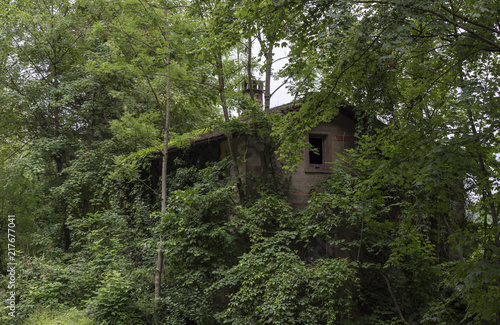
point(316, 153)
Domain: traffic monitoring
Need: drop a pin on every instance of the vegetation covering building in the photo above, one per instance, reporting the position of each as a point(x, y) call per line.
point(115, 228)
point(327, 140)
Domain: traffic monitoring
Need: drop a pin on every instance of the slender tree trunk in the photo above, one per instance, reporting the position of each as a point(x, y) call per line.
point(393, 296)
point(225, 110)
point(267, 153)
point(159, 261)
point(267, 91)
point(268, 55)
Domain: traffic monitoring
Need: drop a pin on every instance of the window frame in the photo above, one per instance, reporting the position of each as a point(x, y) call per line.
point(324, 166)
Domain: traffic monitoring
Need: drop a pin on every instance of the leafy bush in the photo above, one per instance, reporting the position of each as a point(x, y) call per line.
point(112, 302)
point(198, 245)
point(272, 285)
point(50, 283)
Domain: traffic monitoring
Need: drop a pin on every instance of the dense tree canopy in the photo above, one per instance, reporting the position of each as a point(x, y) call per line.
point(413, 209)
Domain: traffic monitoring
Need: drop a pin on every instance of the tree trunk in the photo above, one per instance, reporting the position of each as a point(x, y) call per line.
point(159, 260)
point(267, 152)
point(225, 109)
point(269, 64)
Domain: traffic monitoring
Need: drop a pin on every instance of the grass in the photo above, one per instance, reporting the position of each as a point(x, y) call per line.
point(71, 316)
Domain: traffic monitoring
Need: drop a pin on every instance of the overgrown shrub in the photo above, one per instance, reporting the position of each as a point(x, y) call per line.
point(112, 301)
point(272, 285)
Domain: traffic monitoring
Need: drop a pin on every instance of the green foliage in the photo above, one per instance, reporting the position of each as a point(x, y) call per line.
point(19, 194)
point(69, 316)
point(263, 217)
point(374, 228)
point(426, 70)
point(272, 285)
point(136, 133)
point(405, 231)
point(93, 277)
point(475, 283)
point(198, 244)
point(112, 301)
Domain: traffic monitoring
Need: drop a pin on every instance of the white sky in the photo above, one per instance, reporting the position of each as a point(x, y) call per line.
point(282, 96)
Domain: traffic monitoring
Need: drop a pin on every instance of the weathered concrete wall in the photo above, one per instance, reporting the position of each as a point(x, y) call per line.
point(338, 136)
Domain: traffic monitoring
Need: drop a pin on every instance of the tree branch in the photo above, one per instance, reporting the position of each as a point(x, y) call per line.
point(469, 20)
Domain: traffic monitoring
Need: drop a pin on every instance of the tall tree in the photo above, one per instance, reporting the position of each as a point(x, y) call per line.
point(429, 71)
point(62, 107)
point(159, 38)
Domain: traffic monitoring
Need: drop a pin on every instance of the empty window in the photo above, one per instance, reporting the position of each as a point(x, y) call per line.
point(316, 154)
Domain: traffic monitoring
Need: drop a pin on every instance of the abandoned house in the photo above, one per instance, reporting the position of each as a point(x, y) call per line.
point(328, 139)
